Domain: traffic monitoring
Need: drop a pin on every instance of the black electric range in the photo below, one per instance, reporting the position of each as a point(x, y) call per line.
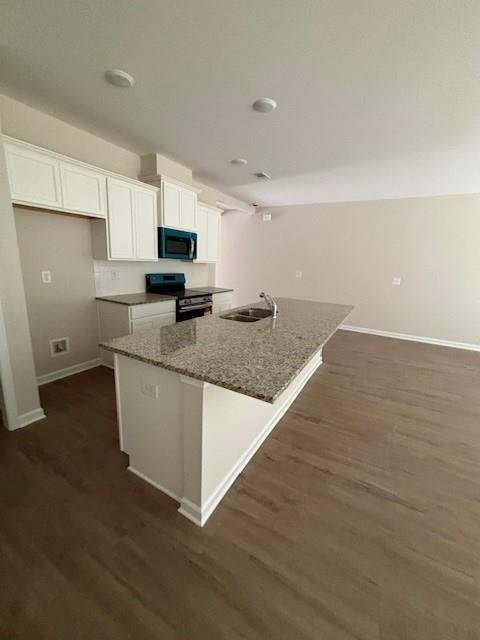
point(189, 303)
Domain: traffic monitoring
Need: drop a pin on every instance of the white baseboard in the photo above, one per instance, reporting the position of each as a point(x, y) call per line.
point(68, 371)
point(200, 515)
point(25, 419)
point(154, 484)
point(406, 336)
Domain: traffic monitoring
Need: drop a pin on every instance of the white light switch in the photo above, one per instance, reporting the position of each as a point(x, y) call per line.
point(397, 280)
point(150, 389)
point(46, 277)
point(298, 274)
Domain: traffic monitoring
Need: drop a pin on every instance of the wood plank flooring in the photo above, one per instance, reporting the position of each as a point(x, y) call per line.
point(359, 518)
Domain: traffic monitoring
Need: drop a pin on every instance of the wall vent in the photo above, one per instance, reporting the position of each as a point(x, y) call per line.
point(59, 347)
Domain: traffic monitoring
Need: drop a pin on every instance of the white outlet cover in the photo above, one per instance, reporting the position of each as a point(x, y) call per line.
point(397, 280)
point(298, 274)
point(149, 389)
point(46, 277)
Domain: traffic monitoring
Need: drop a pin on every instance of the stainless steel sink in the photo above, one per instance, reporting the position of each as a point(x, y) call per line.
point(248, 315)
point(253, 312)
point(240, 318)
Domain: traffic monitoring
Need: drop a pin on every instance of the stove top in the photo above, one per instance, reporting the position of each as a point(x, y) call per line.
point(172, 284)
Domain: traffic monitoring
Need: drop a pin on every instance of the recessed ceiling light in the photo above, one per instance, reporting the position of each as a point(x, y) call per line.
point(264, 105)
point(119, 78)
point(239, 161)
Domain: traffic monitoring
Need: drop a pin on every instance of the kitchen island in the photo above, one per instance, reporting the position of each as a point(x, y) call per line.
point(196, 399)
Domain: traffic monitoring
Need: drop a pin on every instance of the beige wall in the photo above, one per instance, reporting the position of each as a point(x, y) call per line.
point(23, 122)
point(349, 253)
point(12, 300)
point(66, 307)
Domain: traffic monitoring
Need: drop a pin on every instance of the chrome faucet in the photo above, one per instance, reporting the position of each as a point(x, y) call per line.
point(271, 304)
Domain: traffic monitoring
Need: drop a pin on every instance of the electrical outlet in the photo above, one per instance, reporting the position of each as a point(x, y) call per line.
point(298, 274)
point(149, 389)
point(397, 280)
point(46, 277)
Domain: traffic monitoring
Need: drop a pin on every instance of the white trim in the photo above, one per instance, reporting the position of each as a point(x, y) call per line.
point(8, 401)
point(192, 512)
point(68, 371)
point(118, 404)
point(406, 336)
point(154, 484)
point(31, 416)
point(200, 515)
point(194, 382)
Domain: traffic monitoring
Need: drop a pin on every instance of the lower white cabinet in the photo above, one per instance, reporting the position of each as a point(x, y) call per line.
point(208, 232)
point(115, 320)
point(222, 301)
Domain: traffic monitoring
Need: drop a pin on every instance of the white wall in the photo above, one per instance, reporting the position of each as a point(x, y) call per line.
point(112, 278)
point(349, 253)
point(66, 307)
point(15, 321)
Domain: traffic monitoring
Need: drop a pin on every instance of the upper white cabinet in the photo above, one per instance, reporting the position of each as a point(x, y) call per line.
point(208, 230)
point(132, 221)
point(34, 176)
point(42, 178)
point(121, 230)
point(45, 179)
point(178, 207)
point(84, 190)
point(145, 210)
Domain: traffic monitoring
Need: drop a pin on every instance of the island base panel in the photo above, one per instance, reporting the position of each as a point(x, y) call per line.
point(191, 439)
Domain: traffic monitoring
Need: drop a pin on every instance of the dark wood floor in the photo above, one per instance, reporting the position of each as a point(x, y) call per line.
point(358, 518)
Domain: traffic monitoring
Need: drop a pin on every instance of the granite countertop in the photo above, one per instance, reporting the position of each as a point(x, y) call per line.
point(136, 298)
point(210, 289)
point(259, 359)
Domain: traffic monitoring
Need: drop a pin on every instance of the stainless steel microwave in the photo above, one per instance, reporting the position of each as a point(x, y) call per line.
point(176, 244)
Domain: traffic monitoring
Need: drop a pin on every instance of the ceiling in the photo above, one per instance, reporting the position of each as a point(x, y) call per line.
point(377, 98)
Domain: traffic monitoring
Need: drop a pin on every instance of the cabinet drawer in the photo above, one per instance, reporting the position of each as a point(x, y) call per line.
point(152, 322)
point(152, 309)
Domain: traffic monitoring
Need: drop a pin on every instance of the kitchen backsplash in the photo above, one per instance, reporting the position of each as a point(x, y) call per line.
point(112, 278)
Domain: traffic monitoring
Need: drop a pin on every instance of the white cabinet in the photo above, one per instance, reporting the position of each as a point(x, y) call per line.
point(117, 320)
point(132, 223)
point(83, 189)
point(145, 212)
point(178, 207)
point(208, 230)
point(121, 231)
point(222, 301)
point(33, 175)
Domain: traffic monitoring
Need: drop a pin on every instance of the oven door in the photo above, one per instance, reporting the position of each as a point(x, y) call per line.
point(195, 311)
point(176, 245)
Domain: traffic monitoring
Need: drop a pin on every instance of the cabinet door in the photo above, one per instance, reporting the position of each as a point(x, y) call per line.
point(83, 189)
point(202, 233)
point(171, 203)
point(145, 207)
point(213, 236)
point(121, 238)
point(164, 320)
point(188, 210)
point(34, 176)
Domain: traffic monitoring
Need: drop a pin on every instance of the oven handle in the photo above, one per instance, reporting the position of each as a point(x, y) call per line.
point(195, 307)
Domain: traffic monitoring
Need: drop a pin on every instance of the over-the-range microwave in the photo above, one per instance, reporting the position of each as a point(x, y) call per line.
point(176, 244)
